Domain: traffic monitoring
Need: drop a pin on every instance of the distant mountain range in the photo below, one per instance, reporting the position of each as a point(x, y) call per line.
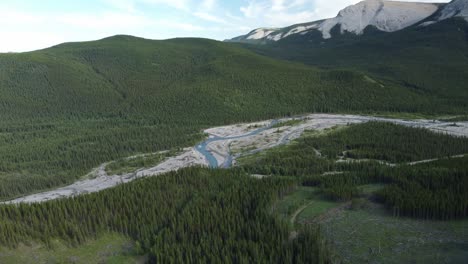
point(384, 16)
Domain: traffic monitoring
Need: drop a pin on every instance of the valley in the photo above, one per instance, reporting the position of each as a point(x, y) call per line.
point(327, 134)
point(228, 143)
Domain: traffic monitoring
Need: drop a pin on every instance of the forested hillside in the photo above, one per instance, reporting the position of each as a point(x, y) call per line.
point(100, 140)
point(428, 59)
point(192, 216)
point(66, 109)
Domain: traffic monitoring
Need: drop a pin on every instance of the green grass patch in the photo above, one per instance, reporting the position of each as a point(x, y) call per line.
point(108, 248)
point(318, 207)
point(310, 197)
point(372, 235)
point(290, 203)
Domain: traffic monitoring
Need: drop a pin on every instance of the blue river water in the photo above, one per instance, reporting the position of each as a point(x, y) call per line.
point(213, 163)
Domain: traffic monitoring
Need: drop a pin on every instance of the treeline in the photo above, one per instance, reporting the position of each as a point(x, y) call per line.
point(343, 185)
point(436, 190)
point(416, 191)
point(192, 216)
point(373, 140)
point(388, 142)
point(430, 193)
point(42, 156)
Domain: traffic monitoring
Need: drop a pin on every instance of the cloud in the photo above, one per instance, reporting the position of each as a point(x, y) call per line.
point(209, 17)
point(208, 5)
point(254, 9)
point(278, 13)
point(178, 4)
point(130, 5)
point(14, 41)
point(105, 20)
point(24, 28)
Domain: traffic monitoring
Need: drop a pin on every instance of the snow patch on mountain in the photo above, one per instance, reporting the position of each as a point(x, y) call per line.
point(260, 33)
point(286, 32)
point(301, 29)
point(427, 23)
point(275, 37)
point(388, 16)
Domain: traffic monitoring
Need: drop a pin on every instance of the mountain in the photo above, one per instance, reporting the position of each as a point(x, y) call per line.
point(125, 75)
point(456, 8)
point(432, 59)
point(69, 108)
point(419, 45)
point(381, 15)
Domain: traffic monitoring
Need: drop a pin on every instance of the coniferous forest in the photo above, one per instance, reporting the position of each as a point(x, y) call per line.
point(194, 215)
point(432, 190)
point(211, 216)
point(67, 109)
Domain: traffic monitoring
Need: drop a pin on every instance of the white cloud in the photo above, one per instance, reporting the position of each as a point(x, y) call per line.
point(276, 13)
point(24, 30)
point(14, 41)
point(208, 5)
point(105, 20)
point(277, 5)
point(254, 9)
point(179, 4)
point(130, 5)
point(209, 17)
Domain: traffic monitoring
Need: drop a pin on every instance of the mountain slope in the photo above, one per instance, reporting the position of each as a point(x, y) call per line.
point(381, 15)
point(387, 16)
point(67, 109)
point(456, 8)
point(432, 59)
point(130, 76)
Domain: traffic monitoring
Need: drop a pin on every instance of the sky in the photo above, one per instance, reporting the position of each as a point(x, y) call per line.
point(27, 25)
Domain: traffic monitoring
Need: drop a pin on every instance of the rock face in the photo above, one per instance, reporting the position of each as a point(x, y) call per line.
point(456, 8)
point(386, 16)
point(260, 33)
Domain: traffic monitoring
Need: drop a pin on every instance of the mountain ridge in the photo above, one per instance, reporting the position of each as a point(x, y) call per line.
point(383, 15)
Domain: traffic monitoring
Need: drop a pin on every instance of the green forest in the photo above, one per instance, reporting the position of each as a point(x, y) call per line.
point(191, 216)
point(354, 156)
point(69, 108)
point(429, 60)
point(199, 215)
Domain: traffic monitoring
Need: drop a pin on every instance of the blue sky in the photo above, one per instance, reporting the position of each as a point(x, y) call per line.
point(31, 24)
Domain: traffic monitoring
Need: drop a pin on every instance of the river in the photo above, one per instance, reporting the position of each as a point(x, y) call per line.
point(212, 162)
